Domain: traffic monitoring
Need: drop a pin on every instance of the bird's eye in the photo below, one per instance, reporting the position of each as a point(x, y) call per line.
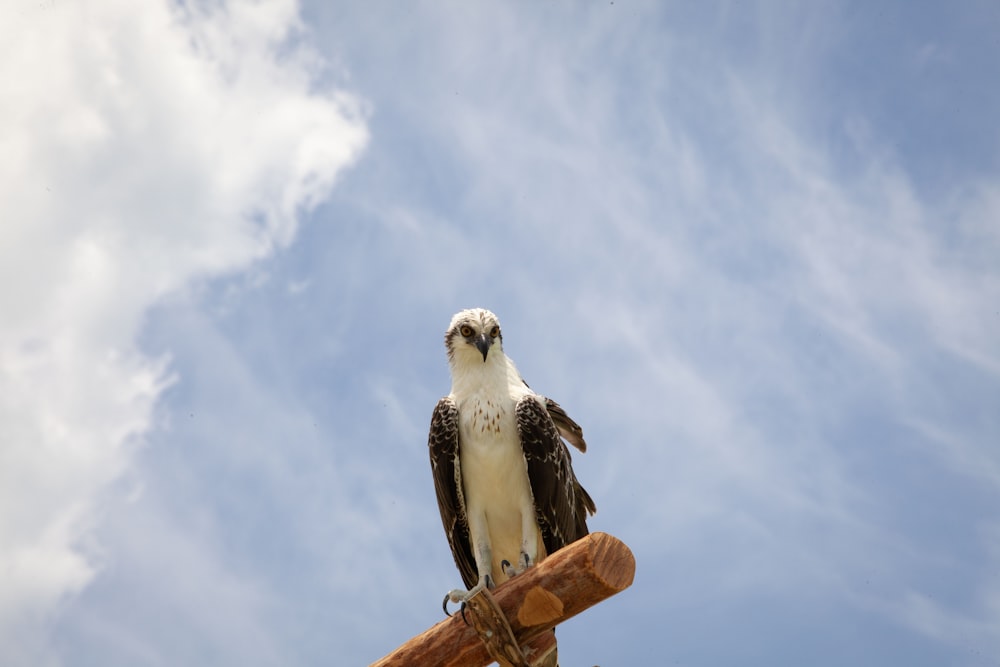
point(494, 332)
point(466, 330)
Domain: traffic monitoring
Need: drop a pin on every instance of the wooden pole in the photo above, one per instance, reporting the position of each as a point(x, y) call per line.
point(566, 583)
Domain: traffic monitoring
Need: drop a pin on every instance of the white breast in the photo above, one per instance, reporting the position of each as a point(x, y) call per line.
point(494, 474)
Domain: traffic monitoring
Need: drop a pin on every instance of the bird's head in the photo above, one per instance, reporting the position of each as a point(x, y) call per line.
point(472, 334)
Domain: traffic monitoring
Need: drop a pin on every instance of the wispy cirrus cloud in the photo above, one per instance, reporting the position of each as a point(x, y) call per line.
point(758, 283)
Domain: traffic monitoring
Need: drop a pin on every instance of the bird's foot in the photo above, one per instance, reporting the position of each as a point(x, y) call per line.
point(523, 563)
point(461, 596)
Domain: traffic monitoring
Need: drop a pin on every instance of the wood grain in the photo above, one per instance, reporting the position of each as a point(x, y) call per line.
point(566, 583)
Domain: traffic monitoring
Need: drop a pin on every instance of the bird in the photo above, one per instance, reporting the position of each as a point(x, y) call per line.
point(502, 472)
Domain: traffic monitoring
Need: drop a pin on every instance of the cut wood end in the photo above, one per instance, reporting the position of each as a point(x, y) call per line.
point(539, 606)
point(612, 560)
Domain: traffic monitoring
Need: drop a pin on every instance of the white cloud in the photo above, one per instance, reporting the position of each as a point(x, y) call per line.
point(145, 146)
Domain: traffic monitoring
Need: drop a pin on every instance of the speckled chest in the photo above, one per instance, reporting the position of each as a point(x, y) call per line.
point(483, 415)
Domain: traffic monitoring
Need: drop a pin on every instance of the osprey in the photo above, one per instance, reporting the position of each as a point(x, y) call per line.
point(504, 480)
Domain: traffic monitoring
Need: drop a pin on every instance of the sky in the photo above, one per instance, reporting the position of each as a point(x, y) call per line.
point(752, 248)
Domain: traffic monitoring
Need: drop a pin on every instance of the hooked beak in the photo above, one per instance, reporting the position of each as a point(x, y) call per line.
point(483, 343)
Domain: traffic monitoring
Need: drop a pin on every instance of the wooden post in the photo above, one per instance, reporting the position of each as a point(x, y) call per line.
point(529, 605)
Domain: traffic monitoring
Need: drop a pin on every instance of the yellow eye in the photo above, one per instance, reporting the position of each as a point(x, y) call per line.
point(466, 330)
point(494, 332)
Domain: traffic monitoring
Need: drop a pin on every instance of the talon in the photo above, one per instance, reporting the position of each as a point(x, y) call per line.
point(444, 606)
point(523, 563)
point(456, 595)
point(459, 595)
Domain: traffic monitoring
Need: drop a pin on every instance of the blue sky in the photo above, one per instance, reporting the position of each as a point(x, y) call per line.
point(751, 247)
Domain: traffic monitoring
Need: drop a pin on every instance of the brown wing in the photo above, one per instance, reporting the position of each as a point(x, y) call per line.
point(442, 442)
point(561, 503)
point(567, 428)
